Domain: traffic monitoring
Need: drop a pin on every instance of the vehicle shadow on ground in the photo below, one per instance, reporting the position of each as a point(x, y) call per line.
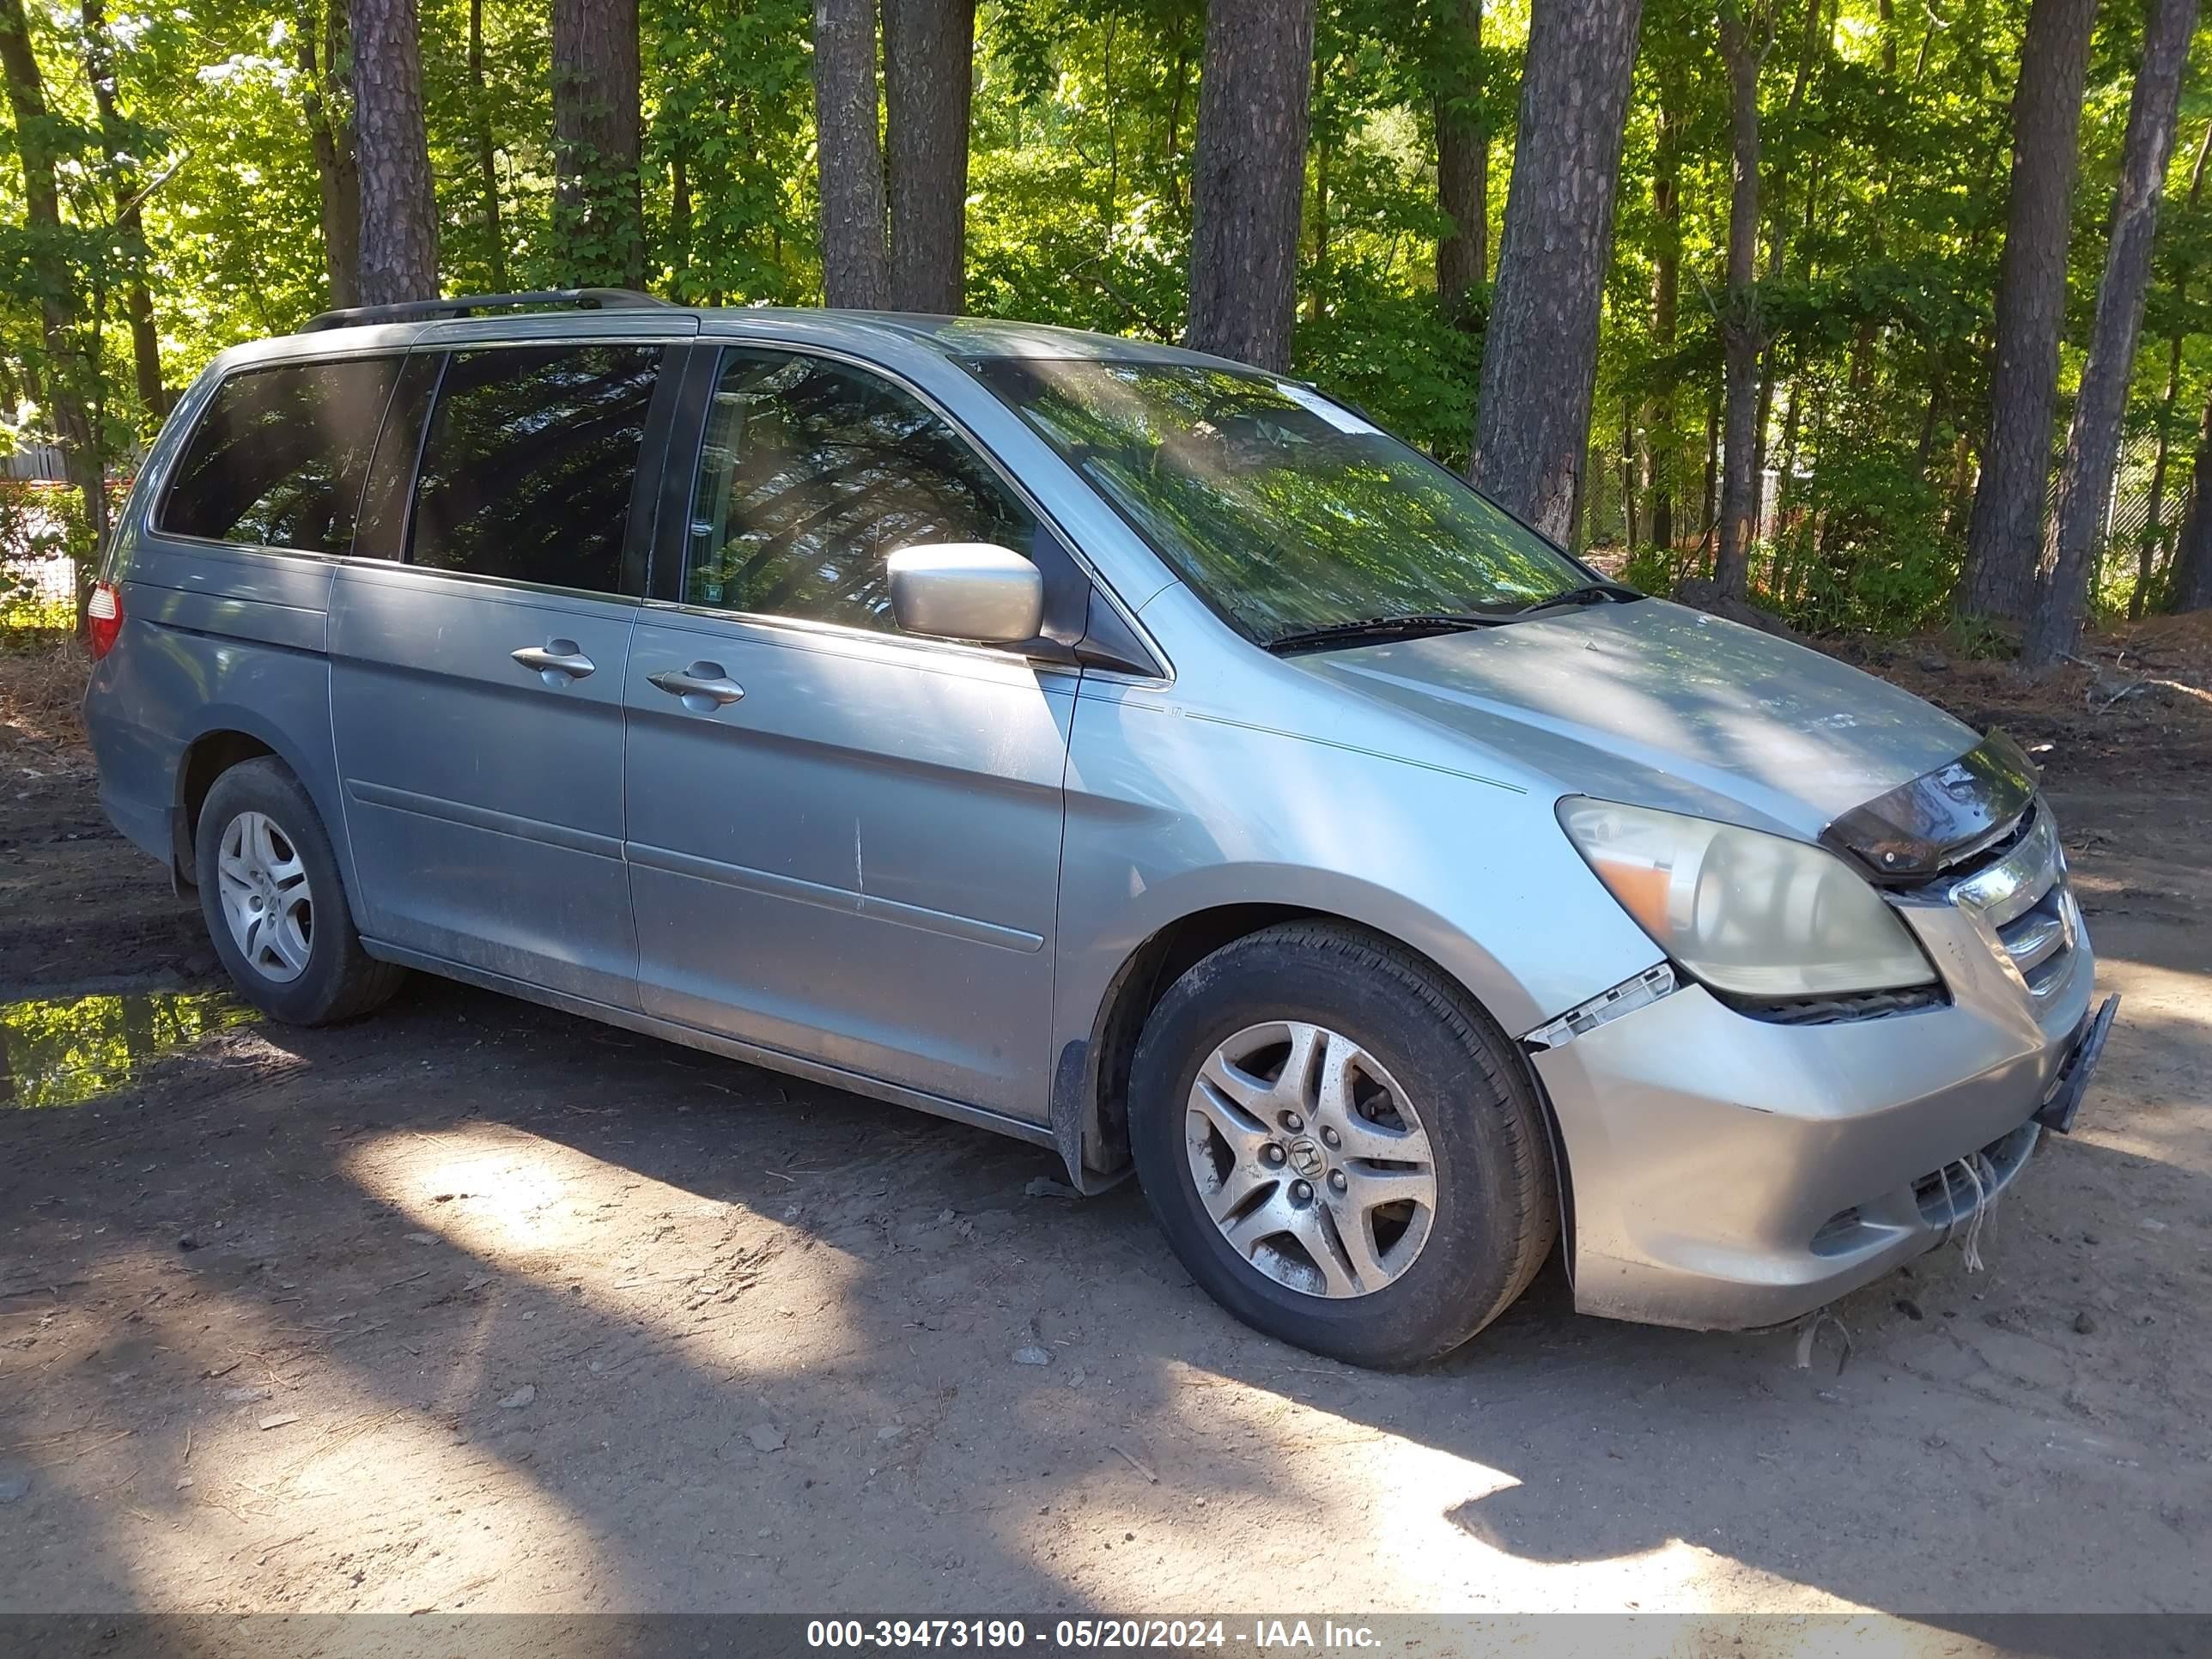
point(886, 1268)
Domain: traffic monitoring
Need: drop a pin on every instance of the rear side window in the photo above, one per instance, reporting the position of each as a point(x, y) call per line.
point(530, 461)
point(277, 459)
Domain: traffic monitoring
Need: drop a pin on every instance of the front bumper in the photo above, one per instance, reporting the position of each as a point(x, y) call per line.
point(1730, 1172)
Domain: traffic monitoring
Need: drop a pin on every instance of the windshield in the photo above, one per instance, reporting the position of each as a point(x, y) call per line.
point(1287, 511)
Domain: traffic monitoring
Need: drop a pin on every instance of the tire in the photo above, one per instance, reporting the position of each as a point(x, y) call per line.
point(1398, 1287)
point(260, 847)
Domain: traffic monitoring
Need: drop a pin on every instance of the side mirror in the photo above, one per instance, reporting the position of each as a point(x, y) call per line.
point(966, 591)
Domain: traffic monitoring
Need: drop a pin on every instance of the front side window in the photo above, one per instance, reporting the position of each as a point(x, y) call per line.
point(813, 474)
point(1287, 511)
point(278, 457)
point(530, 461)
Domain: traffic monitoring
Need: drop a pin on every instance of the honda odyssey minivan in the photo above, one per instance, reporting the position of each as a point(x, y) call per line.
point(1118, 748)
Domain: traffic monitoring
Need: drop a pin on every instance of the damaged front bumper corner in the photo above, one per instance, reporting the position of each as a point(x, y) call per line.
point(1730, 1172)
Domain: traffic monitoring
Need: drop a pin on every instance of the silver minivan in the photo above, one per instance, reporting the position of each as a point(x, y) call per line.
point(1115, 747)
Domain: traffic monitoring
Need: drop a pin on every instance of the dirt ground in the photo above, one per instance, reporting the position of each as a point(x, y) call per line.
point(474, 1306)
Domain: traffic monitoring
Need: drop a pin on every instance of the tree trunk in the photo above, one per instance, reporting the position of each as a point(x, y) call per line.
point(929, 53)
point(1248, 177)
point(486, 151)
point(2093, 448)
point(1665, 303)
point(1532, 423)
point(1628, 474)
point(1762, 422)
point(1811, 44)
point(2153, 519)
point(1108, 198)
point(1317, 284)
point(1740, 328)
point(1959, 498)
point(599, 203)
point(1787, 471)
point(1814, 526)
point(2154, 511)
point(2004, 536)
point(69, 371)
point(1463, 156)
point(2192, 552)
point(129, 223)
point(679, 225)
point(1712, 469)
point(855, 260)
point(336, 170)
point(1180, 92)
point(398, 213)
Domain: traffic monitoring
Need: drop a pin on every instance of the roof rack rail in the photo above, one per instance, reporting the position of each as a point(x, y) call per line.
point(463, 305)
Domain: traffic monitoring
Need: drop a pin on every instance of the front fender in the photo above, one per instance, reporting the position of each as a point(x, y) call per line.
point(1172, 814)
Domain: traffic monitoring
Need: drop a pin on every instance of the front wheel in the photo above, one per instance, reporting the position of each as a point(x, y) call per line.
point(1341, 1148)
point(275, 908)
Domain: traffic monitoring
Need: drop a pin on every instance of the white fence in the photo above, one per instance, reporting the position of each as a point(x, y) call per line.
point(52, 581)
point(40, 463)
point(36, 585)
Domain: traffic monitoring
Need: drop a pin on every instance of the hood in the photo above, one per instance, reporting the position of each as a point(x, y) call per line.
point(1655, 705)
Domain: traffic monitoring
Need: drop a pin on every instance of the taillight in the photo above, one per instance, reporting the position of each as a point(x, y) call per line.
point(103, 619)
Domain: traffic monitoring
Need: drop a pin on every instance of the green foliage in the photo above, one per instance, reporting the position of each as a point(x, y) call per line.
point(1396, 357)
point(1887, 141)
point(41, 521)
point(1983, 640)
point(1079, 209)
point(1867, 553)
point(516, 110)
point(1650, 570)
point(40, 524)
point(733, 118)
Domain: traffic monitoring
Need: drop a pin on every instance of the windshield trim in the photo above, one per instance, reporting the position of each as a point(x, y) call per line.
point(1379, 630)
point(974, 364)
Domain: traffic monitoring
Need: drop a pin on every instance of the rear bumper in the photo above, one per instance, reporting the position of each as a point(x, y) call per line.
point(138, 773)
point(149, 826)
point(1730, 1172)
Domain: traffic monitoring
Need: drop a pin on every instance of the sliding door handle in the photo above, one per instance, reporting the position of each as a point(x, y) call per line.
point(702, 686)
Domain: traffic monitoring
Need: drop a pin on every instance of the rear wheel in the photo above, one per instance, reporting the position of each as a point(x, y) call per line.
point(275, 908)
point(1341, 1147)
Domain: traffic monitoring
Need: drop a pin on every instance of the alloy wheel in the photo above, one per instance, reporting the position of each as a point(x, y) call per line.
point(1310, 1159)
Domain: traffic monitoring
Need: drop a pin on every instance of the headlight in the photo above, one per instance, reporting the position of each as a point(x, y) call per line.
point(1743, 911)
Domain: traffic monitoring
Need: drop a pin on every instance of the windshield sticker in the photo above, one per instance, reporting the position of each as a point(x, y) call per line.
point(1313, 403)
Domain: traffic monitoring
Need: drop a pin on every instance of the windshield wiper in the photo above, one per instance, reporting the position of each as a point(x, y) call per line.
point(1382, 627)
point(1588, 594)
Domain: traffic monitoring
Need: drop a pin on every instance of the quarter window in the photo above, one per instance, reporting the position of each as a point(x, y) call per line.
point(529, 464)
point(813, 474)
point(278, 457)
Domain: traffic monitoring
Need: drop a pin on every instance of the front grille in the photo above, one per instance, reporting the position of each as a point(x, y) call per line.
point(2021, 903)
point(2039, 940)
point(1964, 861)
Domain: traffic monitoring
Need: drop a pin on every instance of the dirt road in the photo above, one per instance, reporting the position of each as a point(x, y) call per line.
point(473, 1306)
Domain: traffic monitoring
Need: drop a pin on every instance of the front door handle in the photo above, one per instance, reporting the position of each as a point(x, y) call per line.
point(702, 686)
point(558, 660)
